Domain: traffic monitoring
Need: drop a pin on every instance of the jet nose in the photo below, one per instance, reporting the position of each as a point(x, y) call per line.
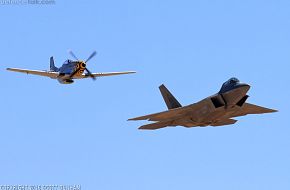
point(245, 87)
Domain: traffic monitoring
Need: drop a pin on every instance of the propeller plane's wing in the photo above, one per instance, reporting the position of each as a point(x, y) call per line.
point(50, 74)
point(53, 74)
point(107, 74)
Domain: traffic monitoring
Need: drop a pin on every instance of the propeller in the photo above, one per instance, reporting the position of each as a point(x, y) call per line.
point(88, 71)
point(73, 55)
point(91, 56)
point(90, 74)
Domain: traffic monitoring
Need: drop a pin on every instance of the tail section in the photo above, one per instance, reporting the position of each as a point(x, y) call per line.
point(169, 99)
point(52, 66)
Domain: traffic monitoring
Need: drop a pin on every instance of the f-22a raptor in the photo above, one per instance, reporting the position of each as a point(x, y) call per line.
point(216, 110)
point(71, 69)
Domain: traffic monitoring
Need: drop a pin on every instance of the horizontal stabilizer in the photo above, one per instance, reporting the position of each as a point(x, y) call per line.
point(224, 122)
point(169, 99)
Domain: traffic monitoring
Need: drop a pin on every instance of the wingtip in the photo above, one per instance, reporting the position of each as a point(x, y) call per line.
point(132, 119)
point(271, 111)
point(143, 128)
point(128, 72)
point(10, 69)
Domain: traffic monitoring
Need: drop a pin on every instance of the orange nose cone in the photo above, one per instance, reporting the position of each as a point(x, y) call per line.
point(82, 64)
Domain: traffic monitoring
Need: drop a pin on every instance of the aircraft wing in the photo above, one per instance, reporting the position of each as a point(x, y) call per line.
point(254, 109)
point(108, 74)
point(35, 72)
point(166, 118)
point(170, 114)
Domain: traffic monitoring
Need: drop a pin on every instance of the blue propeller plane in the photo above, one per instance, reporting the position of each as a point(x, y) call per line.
point(70, 70)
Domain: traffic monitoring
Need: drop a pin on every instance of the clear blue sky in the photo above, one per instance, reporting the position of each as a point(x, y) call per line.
point(78, 134)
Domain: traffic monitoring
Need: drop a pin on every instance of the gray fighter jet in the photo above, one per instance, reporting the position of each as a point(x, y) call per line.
point(216, 110)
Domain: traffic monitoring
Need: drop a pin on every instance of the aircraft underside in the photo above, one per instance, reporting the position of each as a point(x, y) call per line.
point(218, 117)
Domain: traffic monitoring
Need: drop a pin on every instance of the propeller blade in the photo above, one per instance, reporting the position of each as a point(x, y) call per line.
point(73, 55)
point(90, 74)
point(91, 56)
point(75, 72)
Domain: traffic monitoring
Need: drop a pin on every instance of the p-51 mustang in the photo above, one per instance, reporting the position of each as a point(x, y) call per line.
point(216, 110)
point(69, 70)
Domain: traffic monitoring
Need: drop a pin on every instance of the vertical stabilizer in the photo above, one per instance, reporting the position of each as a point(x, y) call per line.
point(169, 99)
point(52, 66)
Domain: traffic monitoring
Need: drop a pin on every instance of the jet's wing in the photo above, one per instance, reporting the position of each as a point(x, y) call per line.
point(107, 74)
point(170, 114)
point(254, 109)
point(35, 72)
